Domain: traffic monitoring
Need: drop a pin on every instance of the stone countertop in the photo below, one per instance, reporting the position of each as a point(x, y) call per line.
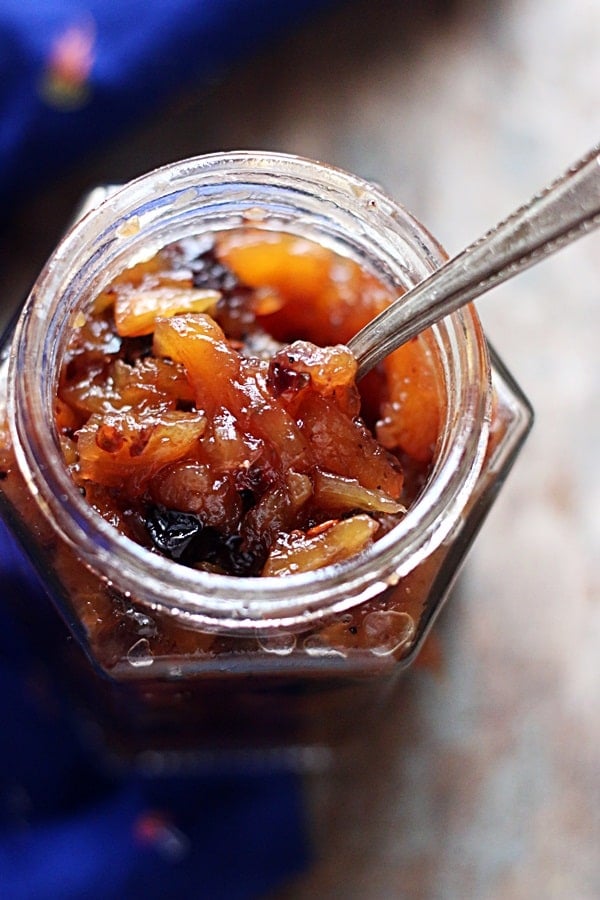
point(485, 780)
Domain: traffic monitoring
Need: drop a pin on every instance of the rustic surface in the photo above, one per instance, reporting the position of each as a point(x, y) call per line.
point(485, 783)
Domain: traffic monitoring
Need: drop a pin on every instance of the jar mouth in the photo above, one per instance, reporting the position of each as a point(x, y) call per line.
point(332, 204)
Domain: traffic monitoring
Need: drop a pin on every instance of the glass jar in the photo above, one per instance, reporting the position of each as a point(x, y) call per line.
point(183, 660)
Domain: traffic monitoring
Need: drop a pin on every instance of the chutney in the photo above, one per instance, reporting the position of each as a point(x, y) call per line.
point(207, 406)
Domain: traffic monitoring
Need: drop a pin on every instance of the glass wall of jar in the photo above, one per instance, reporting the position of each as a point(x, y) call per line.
point(179, 658)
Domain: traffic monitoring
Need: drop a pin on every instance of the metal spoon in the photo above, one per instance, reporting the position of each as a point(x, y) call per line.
point(564, 211)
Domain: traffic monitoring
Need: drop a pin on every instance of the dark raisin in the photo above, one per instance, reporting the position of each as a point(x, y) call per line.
point(247, 497)
point(182, 537)
point(252, 483)
point(133, 349)
point(282, 380)
point(172, 532)
point(239, 560)
point(208, 273)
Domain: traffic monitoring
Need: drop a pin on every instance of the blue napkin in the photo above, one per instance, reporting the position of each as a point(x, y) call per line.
point(71, 829)
point(74, 73)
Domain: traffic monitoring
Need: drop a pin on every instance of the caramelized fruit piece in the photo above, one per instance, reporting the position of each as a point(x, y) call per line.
point(339, 494)
point(326, 297)
point(125, 450)
point(410, 417)
point(152, 384)
point(330, 371)
point(298, 552)
point(276, 513)
point(151, 273)
point(274, 425)
point(137, 311)
point(296, 267)
point(198, 343)
point(227, 448)
point(345, 447)
point(194, 487)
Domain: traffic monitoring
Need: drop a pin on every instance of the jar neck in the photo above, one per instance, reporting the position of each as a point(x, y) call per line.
point(209, 194)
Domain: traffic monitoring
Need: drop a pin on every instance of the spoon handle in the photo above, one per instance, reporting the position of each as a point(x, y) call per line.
point(562, 212)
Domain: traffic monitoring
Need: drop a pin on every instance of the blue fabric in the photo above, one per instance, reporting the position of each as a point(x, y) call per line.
point(72, 830)
point(74, 73)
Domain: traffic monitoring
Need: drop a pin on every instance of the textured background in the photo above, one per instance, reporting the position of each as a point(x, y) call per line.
point(485, 781)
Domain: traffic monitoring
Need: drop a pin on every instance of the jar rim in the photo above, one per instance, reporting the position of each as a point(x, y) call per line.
point(223, 602)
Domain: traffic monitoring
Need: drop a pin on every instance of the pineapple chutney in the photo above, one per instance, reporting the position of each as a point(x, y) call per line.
point(248, 545)
point(207, 406)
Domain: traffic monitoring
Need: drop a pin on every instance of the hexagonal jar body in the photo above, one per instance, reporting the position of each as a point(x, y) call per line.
point(182, 659)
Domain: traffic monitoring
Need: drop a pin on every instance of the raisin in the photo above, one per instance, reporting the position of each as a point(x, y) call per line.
point(135, 348)
point(282, 380)
point(240, 560)
point(183, 537)
point(208, 273)
point(171, 531)
point(253, 482)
